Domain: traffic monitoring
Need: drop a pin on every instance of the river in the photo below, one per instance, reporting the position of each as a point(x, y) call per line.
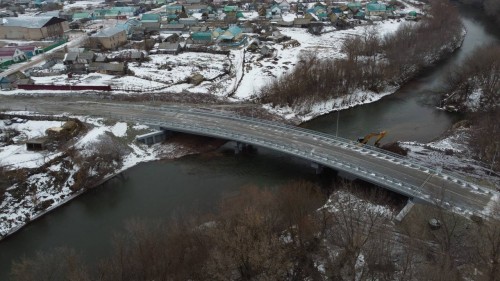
point(195, 183)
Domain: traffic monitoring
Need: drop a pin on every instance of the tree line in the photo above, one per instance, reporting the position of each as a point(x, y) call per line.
point(473, 88)
point(288, 234)
point(372, 63)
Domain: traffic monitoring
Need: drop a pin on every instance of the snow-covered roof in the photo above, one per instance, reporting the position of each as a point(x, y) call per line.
point(108, 32)
point(28, 22)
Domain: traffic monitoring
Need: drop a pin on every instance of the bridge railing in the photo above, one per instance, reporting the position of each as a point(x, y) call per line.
point(338, 141)
point(393, 184)
point(450, 176)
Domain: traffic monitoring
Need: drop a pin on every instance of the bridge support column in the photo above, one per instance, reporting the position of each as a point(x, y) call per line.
point(317, 167)
point(242, 147)
point(402, 214)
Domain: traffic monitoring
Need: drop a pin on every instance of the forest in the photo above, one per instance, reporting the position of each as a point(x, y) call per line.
point(296, 232)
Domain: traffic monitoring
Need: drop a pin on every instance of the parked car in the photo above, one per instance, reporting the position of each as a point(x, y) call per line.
point(7, 122)
point(18, 120)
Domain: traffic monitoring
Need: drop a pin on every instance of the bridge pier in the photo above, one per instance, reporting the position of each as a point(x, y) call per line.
point(242, 147)
point(317, 167)
point(402, 214)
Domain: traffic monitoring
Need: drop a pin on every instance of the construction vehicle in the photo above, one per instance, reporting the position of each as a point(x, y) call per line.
point(366, 138)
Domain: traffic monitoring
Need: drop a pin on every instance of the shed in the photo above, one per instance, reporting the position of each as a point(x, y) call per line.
point(108, 68)
point(37, 144)
point(169, 48)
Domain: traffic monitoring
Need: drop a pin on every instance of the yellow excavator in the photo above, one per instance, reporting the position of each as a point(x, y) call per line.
point(366, 138)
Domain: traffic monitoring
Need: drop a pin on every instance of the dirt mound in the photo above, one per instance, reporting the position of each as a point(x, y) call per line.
point(395, 148)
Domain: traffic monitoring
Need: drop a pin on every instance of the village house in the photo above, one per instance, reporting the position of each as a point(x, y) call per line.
point(133, 55)
point(231, 37)
point(283, 5)
point(77, 62)
point(18, 53)
point(201, 37)
point(150, 22)
point(169, 48)
point(32, 28)
point(375, 9)
point(108, 38)
point(82, 17)
point(173, 27)
point(11, 81)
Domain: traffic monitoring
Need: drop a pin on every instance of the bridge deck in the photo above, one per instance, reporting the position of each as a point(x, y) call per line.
point(382, 168)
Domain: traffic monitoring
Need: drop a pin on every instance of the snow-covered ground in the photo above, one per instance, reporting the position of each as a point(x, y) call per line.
point(453, 154)
point(53, 186)
point(86, 4)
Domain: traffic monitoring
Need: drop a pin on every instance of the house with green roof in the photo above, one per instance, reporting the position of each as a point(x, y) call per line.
point(375, 9)
point(173, 9)
point(125, 11)
point(112, 14)
point(228, 9)
point(99, 13)
point(151, 22)
point(201, 37)
point(82, 16)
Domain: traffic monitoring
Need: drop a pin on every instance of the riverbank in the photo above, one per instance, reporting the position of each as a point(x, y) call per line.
point(48, 180)
point(453, 152)
point(359, 97)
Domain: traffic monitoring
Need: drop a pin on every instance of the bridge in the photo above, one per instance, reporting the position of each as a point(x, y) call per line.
point(385, 169)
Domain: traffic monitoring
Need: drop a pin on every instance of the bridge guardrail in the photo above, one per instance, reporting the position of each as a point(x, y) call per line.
point(449, 176)
point(348, 144)
point(395, 185)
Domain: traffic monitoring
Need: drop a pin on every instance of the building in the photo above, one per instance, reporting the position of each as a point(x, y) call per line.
point(151, 22)
point(108, 68)
point(108, 38)
point(169, 48)
point(18, 53)
point(201, 37)
point(375, 9)
point(32, 28)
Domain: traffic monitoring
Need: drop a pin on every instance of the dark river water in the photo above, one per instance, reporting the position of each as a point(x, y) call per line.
point(195, 183)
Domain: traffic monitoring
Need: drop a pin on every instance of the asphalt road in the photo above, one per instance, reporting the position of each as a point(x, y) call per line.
point(374, 166)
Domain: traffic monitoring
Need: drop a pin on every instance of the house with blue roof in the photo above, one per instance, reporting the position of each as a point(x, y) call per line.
point(231, 37)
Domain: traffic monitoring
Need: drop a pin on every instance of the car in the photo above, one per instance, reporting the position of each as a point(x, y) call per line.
point(18, 120)
point(7, 122)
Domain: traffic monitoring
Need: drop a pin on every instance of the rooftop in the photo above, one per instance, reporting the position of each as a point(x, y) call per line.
point(29, 22)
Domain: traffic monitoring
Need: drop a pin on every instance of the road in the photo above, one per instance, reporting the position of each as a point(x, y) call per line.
point(389, 171)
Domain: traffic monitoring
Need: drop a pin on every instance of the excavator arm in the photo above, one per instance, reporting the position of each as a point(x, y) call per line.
point(366, 138)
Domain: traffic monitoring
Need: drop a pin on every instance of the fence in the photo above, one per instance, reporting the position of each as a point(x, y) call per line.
point(64, 87)
point(55, 45)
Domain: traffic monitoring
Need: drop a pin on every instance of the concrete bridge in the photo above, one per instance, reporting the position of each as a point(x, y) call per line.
point(382, 168)
point(393, 172)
